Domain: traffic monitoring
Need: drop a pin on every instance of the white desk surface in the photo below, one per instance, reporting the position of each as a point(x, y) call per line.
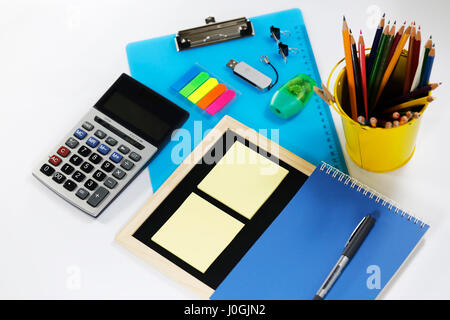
point(57, 57)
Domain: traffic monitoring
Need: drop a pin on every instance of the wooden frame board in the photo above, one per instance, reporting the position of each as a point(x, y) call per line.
point(125, 236)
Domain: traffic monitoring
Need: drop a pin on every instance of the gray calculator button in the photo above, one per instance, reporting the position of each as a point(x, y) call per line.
point(127, 164)
point(71, 143)
point(119, 173)
point(88, 126)
point(111, 141)
point(110, 183)
point(82, 193)
point(98, 196)
point(135, 157)
point(123, 149)
point(100, 134)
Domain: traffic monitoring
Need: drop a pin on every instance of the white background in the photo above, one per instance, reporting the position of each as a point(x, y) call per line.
point(56, 59)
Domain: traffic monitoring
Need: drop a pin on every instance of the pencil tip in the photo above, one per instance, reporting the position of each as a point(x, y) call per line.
point(360, 31)
point(344, 18)
point(384, 14)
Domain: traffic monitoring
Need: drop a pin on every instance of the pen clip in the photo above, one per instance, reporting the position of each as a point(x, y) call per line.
point(356, 230)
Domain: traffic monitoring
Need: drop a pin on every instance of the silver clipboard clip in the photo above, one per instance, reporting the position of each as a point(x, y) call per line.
point(213, 32)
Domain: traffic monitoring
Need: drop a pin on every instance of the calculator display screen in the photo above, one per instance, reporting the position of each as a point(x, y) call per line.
point(136, 115)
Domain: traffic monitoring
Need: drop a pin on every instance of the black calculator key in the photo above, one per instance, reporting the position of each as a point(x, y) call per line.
point(88, 126)
point(127, 164)
point(123, 149)
point(98, 196)
point(99, 175)
point(91, 184)
point(110, 183)
point(87, 167)
point(107, 166)
point(119, 174)
point(95, 158)
point(135, 157)
point(70, 185)
point(111, 141)
point(47, 170)
point(100, 134)
point(78, 176)
point(59, 177)
point(82, 193)
point(84, 151)
point(67, 168)
point(72, 143)
point(76, 160)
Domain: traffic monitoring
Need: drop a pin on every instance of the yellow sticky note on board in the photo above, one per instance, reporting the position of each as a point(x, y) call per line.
point(197, 232)
point(243, 180)
point(203, 90)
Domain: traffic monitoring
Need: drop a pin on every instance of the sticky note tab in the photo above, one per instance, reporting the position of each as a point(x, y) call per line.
point(194, 84)
point(220, 102)
point(186, 78)
point(203, 90)
point(212, 96)
point(243, 179)
point(197, 232)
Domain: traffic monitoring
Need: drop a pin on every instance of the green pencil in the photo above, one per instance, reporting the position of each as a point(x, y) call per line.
point(377, 59)
point(380, 69)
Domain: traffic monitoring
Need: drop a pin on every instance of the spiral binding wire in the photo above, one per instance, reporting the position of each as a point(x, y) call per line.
point(373, 194)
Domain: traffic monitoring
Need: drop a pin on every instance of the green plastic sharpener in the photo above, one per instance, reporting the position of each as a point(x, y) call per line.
point(292, 97)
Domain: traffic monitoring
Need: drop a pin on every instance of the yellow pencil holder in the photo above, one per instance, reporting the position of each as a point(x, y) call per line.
point(376, 149)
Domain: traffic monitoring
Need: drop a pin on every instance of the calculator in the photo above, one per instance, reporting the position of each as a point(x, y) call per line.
point(110, 145)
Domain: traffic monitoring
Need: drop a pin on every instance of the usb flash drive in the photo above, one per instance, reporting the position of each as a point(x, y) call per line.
point(250, 74)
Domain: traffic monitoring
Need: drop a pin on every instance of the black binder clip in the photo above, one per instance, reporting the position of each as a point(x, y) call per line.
point(283, 49)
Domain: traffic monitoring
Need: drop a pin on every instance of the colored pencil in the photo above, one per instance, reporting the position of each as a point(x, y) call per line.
point(397, 40)
point(373, 122)
point(375, 45)
point(393, 63)
point(428, 67)
point(416, 81)
point(376, 62)
point(428, 46)
point(362, 65)
point(416, 94)
point(409, 104)
point(349, 68)
point(409, 60)
point(357, 75)
point(380, 68)
point(415, 58)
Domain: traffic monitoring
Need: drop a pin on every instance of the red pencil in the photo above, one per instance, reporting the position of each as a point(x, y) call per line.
point(362, 63)
point(396, 40)
point(415, 56)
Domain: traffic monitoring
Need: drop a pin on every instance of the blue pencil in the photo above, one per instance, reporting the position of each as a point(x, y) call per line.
point(375, 44)
point(427, 70)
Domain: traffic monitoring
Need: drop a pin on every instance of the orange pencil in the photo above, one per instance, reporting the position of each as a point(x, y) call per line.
point(409, 61)
point(349, 69)
point(393, 62)
point(362, 63)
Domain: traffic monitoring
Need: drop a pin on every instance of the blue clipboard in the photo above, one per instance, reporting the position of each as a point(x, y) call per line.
point(311, 134)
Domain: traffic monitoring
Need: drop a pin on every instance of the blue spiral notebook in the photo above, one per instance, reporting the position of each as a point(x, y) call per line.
point(298, 250)
point(310, 134)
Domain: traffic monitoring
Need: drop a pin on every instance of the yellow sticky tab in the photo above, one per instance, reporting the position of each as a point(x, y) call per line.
point(243, 179)
point(203, 90)
point(197, 232)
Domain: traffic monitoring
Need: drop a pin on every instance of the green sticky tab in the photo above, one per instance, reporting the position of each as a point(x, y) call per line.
point(194, 84)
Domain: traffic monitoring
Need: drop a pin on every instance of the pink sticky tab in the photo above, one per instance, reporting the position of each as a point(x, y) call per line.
point(220, 102)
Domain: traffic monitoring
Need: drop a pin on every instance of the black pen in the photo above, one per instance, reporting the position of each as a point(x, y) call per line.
point(354, 242)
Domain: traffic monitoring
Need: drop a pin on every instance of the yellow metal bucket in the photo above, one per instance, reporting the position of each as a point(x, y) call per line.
point(376, 149)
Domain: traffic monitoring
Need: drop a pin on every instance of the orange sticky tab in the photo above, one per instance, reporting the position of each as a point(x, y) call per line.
point(211, 96)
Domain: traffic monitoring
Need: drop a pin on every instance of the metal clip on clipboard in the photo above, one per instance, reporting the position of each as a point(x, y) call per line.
point(213, 33)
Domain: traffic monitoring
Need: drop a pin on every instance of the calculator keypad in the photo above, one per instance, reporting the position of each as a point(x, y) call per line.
point(91, 164)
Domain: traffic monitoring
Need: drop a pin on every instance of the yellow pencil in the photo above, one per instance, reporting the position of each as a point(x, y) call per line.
point(410, 104)
point(393, 62)
point(349, 68)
